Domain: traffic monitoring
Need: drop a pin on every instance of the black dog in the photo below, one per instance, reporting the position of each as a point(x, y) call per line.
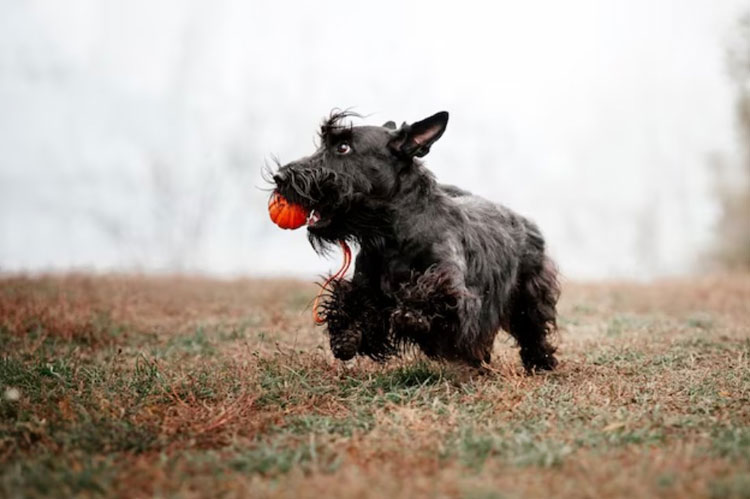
point(437, 267)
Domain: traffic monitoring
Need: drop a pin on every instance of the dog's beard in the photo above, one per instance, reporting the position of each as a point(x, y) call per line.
point(340, 207)
point(364, 224)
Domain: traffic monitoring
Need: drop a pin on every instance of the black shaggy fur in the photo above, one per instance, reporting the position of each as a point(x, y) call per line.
point(437, 267)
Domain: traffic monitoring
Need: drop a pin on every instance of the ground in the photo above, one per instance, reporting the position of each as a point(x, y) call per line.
point(174, 386)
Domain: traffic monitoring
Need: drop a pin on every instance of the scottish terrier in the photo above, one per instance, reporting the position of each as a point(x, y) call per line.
point(437, 267)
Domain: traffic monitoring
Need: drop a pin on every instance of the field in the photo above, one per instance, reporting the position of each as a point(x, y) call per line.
point(139, 386)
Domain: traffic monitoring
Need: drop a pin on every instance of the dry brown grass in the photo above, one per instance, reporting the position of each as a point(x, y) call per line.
point(139, 386)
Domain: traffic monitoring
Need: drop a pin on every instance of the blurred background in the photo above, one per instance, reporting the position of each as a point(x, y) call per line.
point(133, 134)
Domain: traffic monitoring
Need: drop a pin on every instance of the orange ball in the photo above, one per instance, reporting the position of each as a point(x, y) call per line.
point(285, 214)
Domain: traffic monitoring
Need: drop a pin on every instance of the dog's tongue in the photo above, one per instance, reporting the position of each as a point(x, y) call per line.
point(314, 218)
point(285, 214)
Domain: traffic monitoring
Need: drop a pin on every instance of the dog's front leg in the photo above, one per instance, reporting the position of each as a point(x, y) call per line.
point(342, 311)
point(356, 314)
point(441, 314)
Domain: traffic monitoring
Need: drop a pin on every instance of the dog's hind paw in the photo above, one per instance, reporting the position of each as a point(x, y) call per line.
point(538, 361)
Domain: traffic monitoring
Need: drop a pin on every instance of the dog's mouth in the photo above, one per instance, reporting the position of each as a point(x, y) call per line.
point(317, 220)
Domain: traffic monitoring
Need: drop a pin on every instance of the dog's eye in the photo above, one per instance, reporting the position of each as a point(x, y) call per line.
point(343, 148)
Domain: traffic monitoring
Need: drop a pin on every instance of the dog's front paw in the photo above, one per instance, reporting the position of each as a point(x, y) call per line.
point(344, 344)
point(409, 322)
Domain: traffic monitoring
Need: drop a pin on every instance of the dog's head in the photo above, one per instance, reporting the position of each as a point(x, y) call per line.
point(350, 182)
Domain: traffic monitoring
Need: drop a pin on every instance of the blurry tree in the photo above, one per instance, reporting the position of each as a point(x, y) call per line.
point(734, 224)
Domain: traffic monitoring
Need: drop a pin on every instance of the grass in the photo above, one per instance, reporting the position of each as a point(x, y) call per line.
point(132, 386)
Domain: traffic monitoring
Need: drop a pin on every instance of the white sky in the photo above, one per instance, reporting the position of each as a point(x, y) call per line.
point(132, 133)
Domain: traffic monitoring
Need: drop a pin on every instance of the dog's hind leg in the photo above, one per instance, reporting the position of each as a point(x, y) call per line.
point(533, 315)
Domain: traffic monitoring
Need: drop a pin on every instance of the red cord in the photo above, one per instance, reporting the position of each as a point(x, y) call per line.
point(338, 275)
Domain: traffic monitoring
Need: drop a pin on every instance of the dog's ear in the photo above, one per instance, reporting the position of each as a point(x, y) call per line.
point(390, 125)
point(416, 139)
